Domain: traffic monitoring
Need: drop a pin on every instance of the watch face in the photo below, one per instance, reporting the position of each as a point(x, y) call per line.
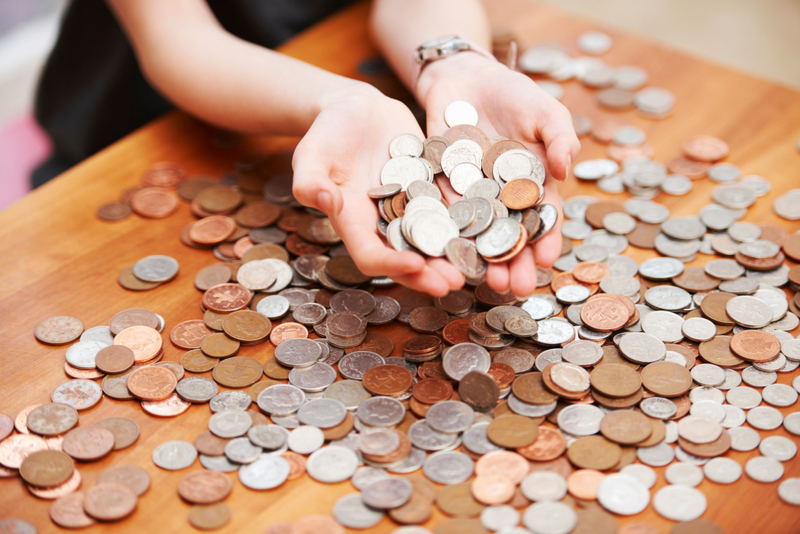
point(439, 41)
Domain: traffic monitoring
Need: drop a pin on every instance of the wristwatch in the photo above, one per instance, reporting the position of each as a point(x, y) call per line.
point(440, 48)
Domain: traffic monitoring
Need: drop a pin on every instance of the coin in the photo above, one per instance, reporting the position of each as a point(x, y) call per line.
point(46, 468)
point(109, 502)
point(88, 443)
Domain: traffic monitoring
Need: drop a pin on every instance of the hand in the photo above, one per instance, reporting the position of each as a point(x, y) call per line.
point(339, 160)
point(512, 105)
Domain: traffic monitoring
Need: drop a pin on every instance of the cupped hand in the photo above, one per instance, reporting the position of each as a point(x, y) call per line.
point(512, 105)
point(339, 160)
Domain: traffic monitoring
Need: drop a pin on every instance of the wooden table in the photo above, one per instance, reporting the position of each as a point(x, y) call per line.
point(59, 259)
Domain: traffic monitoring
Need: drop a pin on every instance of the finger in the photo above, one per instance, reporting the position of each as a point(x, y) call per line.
point(522, 273)
point(497, 276)
point(556, 131)
point(448, 271)
point(447, 190)
point(426, 281)
point(548, 249)
point(312, 186)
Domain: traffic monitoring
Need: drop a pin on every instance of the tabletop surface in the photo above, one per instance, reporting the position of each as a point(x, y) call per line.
point(60, 259)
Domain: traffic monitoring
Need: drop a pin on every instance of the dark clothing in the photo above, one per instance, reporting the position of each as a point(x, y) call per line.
point(92, 91)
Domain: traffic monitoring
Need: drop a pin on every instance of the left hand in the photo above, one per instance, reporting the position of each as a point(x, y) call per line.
point(509, 104)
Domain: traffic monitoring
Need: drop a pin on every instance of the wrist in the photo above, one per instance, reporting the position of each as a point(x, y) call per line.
point(350, 89)
point(452, 68)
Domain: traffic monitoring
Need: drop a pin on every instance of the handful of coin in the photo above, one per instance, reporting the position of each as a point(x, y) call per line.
point(502, 184)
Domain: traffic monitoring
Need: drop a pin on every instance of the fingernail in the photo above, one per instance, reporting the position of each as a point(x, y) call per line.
point(325, 203)
point(567, 167)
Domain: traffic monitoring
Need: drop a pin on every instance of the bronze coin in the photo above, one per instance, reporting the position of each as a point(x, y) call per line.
point(258, 214)
point(680, 164)
point(611, 354)
point(214, 320)
point(317, 230)
point(696, 526)
point(218, 199)
point(125, 431)
point(46, 468)
point(644, 235)
point(212, 230)
point(718, 447)
point(115, 386)
point(530, 388)
point(590, 272)
point(695, 279)
point(615, 380)
point(246, 326)
point(502, 373)
point(494, 152)
point(773, 232)
point(285, 331)
point(548, 445)
point(532, 223)
point(209, 516)
point(760, 264)
point(605, 313)
point(402, 451)
point(165, 174)
point(718, 351)
point(688, 355)
point(6, 426)
point(594, 452)
point(705, 148)
point(219, 346)
point(204, 487)
point(341, 430)
point(297, 464)
point(520, 194)
point(457, 501)
point(113, 211)
point(596, 521)
point(67, 511)
point(618, 403)
point(432, 149)
point(87, 443)
point(265, 251)
point(595, 212)
point(209, 444)
point(114, 359)
point(343, 269)
point(237, 372)
point(133, 317)
point(566, 279)
point(755, 346)
point(666, 379)
point(791, 247)
point(226, 298)
point(427, 319)
point(626, 427)
point(658, 434)
point(416, 511)
point(151, 383)
point(195, 361)
point(489, 297)
point(377, 343)
point(457, 331)
point(189, 334)
point(275, 370)
point(512, 431)
point(479, 390)
point(109, 502)
point(432, 390)
point(189, 189)
point(387, 379)
point(713, 307)
point(469, 132)
point(154, 202)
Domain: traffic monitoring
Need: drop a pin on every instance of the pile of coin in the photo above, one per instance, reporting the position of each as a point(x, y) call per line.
point(502, 184)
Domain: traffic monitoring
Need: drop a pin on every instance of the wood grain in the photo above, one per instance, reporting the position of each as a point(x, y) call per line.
point(59, 259)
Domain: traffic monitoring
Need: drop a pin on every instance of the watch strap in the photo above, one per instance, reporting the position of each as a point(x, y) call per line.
point(419, 65)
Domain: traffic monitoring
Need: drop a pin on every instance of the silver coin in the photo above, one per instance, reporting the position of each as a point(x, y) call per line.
point(580, 419)
point(553, 333)
point(788, 205)
point(656, 456)
point(265, 473)
point(448, 467)
point(322, 413)
point(464, 175)
point(230, 400)
point(614, 244)
point(734, 196)
point(499, 517)
point(734, 416)
point(273, 306)
point(698, 429)
point(779, 395)
point(412, 463)
point(380, 411)
point(424, 437)
point(156, 268)
point(355, 364)
point(664, 325)
point(82, 354)
point(765, 418)
point(174, 455)
point(676, 184)
point(315, 378)
point(268, 436)
point(679, 502)
point(281, 399)
point(403, 170)
point(387, 493)
point(230, 423)
point(708, 410)
point(658, 407)
point(460, 112)
point(196, 389)
point(377, 441)
point(349, 392)
point(749, 311)
point(450, 416)
point(642, 348)
point(405, 145)
point(653, 213)
point(744, 438)
point(218, 463)
point(722, 470)
point(305, 439)
point(463, 358)
point(101, 334)
point(661, 268)
point(463, 213)
point(684, 228)
point(789, 491)
point(332, 464)
point(583, 353)
point(622, 494)
point(758, 378)
point(707, 374)
point(242, 451)
point(499, 238)
point(383, 191)
point(595, 170)
point(764, 469)
point(529, 410)
point(364, 476)
point(699, 329)
point(683, 473)
point(575, 229)
point(683, 456)
point(351, 512)
point(572, 293)
point(298, 352)
point(550, 518)
point(476, 441)
point(644, 474)
point(778, 447)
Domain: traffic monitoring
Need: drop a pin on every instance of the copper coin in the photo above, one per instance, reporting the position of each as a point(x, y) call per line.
point(67, 511)
point(713, 307)
point(85, 374)
point(6, 426)
point(209, 444)
point(275, 370)
point(432, 149)
point(759, 264)
point(297, 464)
point(210, 516)
point(299, 246)
point(495, 488)
point(166, 174)
point(219, 346)
point(46, 468)
point(154, 202)
point(109, 502)
point(502, 373)
point(755, 346)
point(258, 214)
point(512, 431)
point(133, 317)
point(657, 436)
point(343, 270)
point(644, 235)
point(212, 230)
point(218, 199)
point(469, 132)
point(457, 501)
point(582, 484)
point(695, 279)
point(151, 383)
point(387, 379)
point(195, 361)
point(374, 342)
point(456, 332)
point(125, 431)
point(88, 442)
point(595, 212)
point(596, 521)
point(594, 452)
point(422, 345)
point(50, 419)
point(114, 359)
point(680, 164)
point(190, 188)
point(718, 351)
point(590, 272)
point(479, 390)
point(129, 281)
point(240, 248)
point(237, 372)
point(620, 153)
point(189, 334)
point(705, 148)
point(618, 403)
point(566, 279)
point(115, 386)
point(494, 152)
point(611, 354)
point(247, 326)
point(666, 379)
point(214, 320)
point(285, 331)
point(603, 131)
point(113, 211)
point(513, 465)
point(489, 297)
point(341, 430)
point(615, 380)
point(432, 390)
point(520, 194)
point(792, 247)
point(226, 298)
point(58, 330)
point(204, 487)
point(718, 447)
point(604, 314)
point(530, 388)
point(626, 427)
point(414, 512)
point(144, 341)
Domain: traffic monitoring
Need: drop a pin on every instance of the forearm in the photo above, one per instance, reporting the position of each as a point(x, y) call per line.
point(398, 27)
point(187, 56)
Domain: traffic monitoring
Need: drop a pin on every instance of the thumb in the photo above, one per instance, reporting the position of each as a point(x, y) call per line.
point(312, 187)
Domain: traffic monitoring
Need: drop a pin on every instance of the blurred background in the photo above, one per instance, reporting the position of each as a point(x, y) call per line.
point(760, 37)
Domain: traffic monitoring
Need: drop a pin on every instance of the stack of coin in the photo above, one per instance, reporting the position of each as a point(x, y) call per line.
point(422, 348)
